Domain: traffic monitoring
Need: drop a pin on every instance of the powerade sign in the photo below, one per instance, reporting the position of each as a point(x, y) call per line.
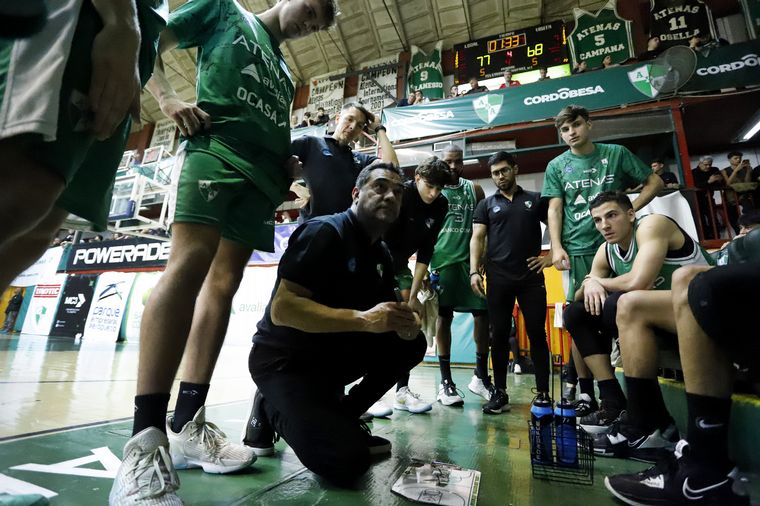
point(117, 255)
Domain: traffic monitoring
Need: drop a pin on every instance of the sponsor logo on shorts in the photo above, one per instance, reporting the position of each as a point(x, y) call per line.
point(209, 190)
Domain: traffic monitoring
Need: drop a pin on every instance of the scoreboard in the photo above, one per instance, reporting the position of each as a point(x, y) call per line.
point(520, 50)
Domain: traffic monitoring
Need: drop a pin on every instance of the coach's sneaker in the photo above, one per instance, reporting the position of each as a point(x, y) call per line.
point(377, 445)
point(380, 410)
point(498, 403)
point(585, 405)
point(480, 387)
point(448, 395)
point(625, 441)
point(675, 480)
point(259, 435)
point(146, 476)
point(202, 444)
point(600, 421)
point(406, 400)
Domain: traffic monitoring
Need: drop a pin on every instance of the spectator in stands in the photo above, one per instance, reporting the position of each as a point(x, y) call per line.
point(475, 87)
point(307, 121)
point(11, 311)
point(580, 67)
point(294, 123)
point(542, 74)
point(668, 178)
point(707, 179)
point(236, 168)
point(653, 49)
point(738, 171)
point(330, 167)
point(508, 81)
point(56, 242)
point(322, 117)
point(607, 63)
point(333, 319)
point(63, 160)
point(711, 337)
point(410, 100)
point(420, 98)
point(571, 180)
point(453, 91)
point(627, 293)
point(509, 222)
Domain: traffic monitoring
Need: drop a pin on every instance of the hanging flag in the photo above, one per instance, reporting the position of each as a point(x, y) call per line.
point(598, 35)
point(327, 93)
point(425, 72)
point(375, 86)
point(675, 22)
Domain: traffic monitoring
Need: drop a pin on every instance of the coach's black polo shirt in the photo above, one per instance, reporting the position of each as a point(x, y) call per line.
point(330, 171)
point(514, 233)
point(332, 257)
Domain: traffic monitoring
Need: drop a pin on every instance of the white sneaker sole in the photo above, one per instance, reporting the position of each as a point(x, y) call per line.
point(414, 410)
point(451, 402)
point(209, 467)
point(263, 452)
point(596, 429)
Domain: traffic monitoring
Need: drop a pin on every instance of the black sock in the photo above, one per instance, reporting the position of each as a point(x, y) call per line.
point(150, 411)
point(403, 382)
point(481, 366)
point(646, 407)
point(190, 399)
point(587, 387)
point(444, 362)
point(708, 431)
point(611, 393)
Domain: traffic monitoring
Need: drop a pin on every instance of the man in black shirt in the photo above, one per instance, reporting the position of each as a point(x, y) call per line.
point(11, 312)
point(475, 87)
point(510, 220)
point(707, 178)
point(423, 210)
point(330, 167)
point(331, 321)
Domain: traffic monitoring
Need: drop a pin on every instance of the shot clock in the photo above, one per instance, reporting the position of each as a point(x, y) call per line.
point(519, 50)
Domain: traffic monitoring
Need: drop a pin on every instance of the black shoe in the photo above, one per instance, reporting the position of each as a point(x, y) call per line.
point(625, 441)
point(677, 481)
point(542, 399)
point(585, 405)
point(499, 402)
point(259, 434)
point(600, 421)
point(377, 445)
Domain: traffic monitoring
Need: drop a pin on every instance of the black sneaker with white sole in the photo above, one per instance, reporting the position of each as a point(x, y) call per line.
point(377, 445)
point(676, 481)
point(585, 405)
point(626, 441)
point(259, 434)
point(498, 403)
point(600, 421)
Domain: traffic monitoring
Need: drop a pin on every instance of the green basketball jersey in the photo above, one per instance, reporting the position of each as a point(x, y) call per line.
point(691, 253)
point(453, 244)
point(578, 179)
point(244, 85)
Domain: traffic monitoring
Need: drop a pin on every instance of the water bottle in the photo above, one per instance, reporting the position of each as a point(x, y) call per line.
point(567, 437)
point(435, 279)
point(541, 416)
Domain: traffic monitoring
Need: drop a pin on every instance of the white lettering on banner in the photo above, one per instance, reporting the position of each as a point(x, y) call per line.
point(749, 60)
point(691, 9)
point(601, 27)
point(601, 51)
point(563, 94)
point(47, 291)
point(74, 467)
point(127, 253)
point(680, 36)
point(422, 117)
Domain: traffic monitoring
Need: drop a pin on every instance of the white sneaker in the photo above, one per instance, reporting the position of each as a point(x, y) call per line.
point(518, 369)
point(448, 395)
point(477, 386)
point(406, 400)
point(146, 476)
point(380, 409)
point(202, 444)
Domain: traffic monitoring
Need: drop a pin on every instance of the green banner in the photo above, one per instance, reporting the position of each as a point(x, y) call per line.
point(596, 36)
point(426, 73)
point(541, 100)
point(752, 16)
point(726, 67)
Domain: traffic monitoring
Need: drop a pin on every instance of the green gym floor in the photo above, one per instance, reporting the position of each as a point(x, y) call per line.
point(66, 415)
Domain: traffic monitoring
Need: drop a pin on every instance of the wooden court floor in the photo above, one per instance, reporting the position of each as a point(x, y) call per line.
point(65, 414)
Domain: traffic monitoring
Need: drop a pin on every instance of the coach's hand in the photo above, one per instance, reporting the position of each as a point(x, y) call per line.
point(476, 283)
point(115, 82)
point(392, 317)
point(539, 263)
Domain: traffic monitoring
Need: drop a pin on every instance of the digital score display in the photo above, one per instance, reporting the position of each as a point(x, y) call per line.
point(519, 50)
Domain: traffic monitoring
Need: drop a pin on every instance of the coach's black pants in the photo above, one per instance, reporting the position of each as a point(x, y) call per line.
point(304, 402)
